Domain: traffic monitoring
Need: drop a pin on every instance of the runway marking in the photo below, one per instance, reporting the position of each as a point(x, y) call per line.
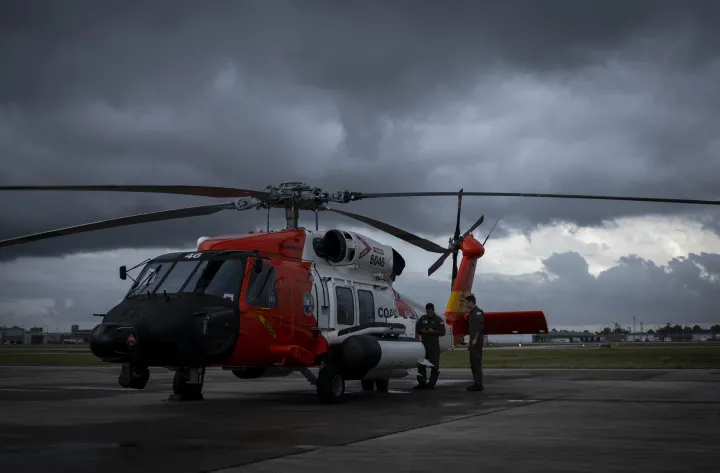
point(19, 390)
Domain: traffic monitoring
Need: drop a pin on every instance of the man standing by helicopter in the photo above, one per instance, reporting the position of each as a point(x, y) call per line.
point(430, 327)
point(476, 329)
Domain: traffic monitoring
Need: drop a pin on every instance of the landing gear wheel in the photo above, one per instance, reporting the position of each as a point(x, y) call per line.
point(382, 385)
point(330, 385)
point(185, 391)
point(133, 376)
point(367, 384)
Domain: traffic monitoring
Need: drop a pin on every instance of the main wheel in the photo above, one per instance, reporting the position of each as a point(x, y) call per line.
point(330, 385)
point(187, 392)
point(367, 384)
point(382, 385)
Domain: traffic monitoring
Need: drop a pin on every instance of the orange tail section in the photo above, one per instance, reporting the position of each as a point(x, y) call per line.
point(496, 323)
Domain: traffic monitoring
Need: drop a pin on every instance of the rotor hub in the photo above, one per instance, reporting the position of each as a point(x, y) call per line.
point(295, 195)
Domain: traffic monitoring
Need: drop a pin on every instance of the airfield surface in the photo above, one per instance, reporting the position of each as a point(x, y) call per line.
point(80, 420)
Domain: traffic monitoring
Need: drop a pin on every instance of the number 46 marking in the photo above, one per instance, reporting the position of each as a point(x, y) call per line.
point(193, 256)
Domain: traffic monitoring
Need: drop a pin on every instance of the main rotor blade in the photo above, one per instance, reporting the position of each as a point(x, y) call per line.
point(360, 195)
point(203, 191)
point(122, 221)
point(426, 245)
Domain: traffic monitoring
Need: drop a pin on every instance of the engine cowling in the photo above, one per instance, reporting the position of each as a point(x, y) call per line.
point(342, 248)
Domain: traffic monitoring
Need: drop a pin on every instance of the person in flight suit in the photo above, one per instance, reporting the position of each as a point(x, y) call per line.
point(476, 329)
point(430, 327)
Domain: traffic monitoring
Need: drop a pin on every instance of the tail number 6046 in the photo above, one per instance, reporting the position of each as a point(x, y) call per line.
point(377, 260)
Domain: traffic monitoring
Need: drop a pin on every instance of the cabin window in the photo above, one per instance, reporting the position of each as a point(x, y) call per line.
point(345, 306)
point(262, 288)
point(366, 306)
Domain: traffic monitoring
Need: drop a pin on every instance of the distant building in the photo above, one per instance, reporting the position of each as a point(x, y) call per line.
point(13, 335)
point(640, 337)
point(567, 337)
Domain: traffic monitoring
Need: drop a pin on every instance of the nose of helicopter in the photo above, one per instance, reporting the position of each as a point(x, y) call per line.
point(168, 331)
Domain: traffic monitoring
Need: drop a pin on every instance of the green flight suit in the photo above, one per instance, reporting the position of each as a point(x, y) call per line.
point(430, 327)
point(476, 331)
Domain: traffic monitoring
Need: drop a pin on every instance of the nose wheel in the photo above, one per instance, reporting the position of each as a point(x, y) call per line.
point(188, 384)
point(134, 376)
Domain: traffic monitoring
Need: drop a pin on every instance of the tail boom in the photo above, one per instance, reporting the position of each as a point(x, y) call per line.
point(496, 323)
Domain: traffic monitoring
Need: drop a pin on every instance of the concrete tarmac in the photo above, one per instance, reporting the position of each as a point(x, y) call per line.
point(80, 420)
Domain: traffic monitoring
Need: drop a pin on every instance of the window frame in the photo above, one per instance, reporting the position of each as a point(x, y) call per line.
point(253, 277)
point(337, 305)
point(371, 315)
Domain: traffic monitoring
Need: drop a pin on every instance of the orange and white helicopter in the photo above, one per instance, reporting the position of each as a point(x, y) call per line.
point(269, 303)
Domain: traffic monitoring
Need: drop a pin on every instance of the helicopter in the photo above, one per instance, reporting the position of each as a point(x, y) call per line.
point(269, 303)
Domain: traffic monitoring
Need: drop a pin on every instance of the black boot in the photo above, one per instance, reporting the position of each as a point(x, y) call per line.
point(475, 387)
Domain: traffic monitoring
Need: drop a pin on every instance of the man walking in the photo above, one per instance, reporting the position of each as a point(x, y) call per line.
point(430, 327)
point(476, 329)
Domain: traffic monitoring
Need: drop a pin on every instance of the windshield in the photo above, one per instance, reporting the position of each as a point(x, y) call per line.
point(217, 277)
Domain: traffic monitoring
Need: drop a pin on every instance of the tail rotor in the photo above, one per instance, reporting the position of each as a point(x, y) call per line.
point(455, 243)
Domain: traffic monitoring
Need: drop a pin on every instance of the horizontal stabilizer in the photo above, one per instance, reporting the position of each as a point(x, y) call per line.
point(507, 323)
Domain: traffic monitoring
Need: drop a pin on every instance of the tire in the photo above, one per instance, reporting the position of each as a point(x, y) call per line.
point(183, 389)
point(330, 385)
point(382, 385)
point(367, 384)
point(140, 377)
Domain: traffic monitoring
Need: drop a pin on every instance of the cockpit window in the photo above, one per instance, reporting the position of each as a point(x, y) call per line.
point(192, 283)
point(149, 277)
point(175, 280)
point(220, 278)
point(214, 276)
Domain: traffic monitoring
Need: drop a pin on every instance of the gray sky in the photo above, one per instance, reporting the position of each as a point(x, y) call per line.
point(553, 96)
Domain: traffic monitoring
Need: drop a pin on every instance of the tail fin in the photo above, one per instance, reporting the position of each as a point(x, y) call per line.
point(496, 323)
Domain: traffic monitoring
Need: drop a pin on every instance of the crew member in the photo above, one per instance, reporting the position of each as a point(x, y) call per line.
point(476, 329)
point(430, 327)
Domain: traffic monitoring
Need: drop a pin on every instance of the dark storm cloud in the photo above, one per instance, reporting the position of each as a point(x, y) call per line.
point(618, 97)
point(677, 292)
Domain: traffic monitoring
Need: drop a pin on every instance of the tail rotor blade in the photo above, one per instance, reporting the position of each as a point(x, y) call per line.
point(475, 225)
point(436, 265)
point(457, 221)
point(491, 230)
point(454, 270)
